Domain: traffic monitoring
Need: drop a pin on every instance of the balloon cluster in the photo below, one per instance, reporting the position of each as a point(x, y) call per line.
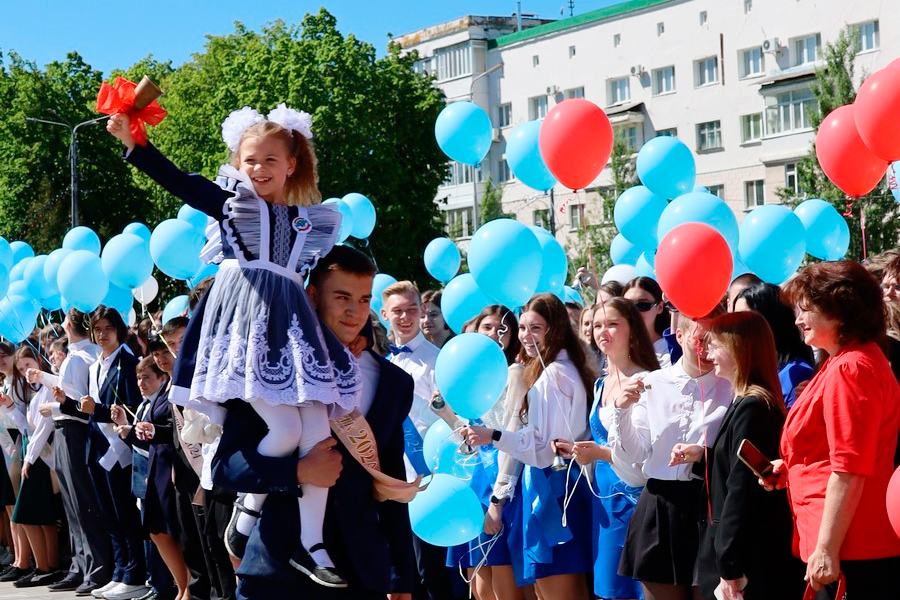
point(357, 216)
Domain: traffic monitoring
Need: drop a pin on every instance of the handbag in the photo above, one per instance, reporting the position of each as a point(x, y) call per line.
point(140, 465)
point(810, 593)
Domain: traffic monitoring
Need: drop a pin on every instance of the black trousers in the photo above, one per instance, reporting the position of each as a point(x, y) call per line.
point(435, 578)
point(874, 579)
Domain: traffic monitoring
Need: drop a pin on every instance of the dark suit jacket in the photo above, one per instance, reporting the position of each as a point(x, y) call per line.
point(370, 542)
point(119, 387)
point(751, 530)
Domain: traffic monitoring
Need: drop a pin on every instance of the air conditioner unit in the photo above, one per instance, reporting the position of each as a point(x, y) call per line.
point(771, 45)
point(637, 70)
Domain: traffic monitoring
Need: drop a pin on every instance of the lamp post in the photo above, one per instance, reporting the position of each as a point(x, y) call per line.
point(73, 154)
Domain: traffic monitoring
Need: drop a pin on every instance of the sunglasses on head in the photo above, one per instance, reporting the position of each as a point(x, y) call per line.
point(644, 306)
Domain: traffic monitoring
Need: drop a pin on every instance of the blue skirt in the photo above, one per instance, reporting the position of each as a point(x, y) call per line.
point(611, 515)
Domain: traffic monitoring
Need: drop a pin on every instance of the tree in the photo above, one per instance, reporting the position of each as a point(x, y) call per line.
point(834, 88)
point(491, 206)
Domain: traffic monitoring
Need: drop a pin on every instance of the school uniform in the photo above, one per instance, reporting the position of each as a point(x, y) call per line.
point(369, 541)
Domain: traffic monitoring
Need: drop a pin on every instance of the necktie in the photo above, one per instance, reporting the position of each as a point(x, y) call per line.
point(399, 349)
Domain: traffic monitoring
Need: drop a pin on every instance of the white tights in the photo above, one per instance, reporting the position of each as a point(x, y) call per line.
point(292, 427)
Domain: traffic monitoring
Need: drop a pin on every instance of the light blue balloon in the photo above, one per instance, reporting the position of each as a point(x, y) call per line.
point(38, 287)
point(207, 270)
point(126, 260)
point(18, 288)
point(138, 229)
point(53, 302)
point(17, 317)
point(502, 257)
point(463, 131)
point(571, 295)
point(666, 166)
point(346, 217)
point(82, 238)
point(51, 266)
point(739, 268)
point(176, 307)
point(20, 251)
point(118, 298)
point(623, 252)
point(6, 254)
point(81, 280)
point(440, 449)
point(637, 213)
point(471, 373)
point(447, 513)
point(773, 242)
point(700, 188)
point(524, 157)
point(193, 216)
point(17, 273)
point(698, 207)
point(644, 266)
point(4, 281)
point(442, 259)
point(379, 283)
point(175, 248)
point(827, 233)
point(554, 263)
point(462, 300)
point(362, 213)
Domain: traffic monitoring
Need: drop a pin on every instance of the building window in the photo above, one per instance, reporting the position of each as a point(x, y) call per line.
point(537, 107)
point(459, 222)
point(663, 81)
point(453, 61)
point(709, 136)
point(748, 6)
point(617, 39)
point(754, 193)
point(619, 90)
point(504, 118)
point(869, 38)
point(461, 174)
point(632, 135)
point(752, 62)
point(806, 49)
point(541, 217)
point(503, 172)
point(706, 71)
point(670, 132)
point(789, 111)
point(717, 190)
point(576, 220)
point(703, 18)
point(660, 28)
point(535, 60)
point(574, 93)
point(751, 128)
point(791, 179)
point(571, 51)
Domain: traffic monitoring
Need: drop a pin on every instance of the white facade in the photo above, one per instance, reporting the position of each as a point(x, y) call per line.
point(730, 78)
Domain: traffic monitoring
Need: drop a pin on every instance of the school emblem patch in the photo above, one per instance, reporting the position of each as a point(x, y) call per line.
point(301, 225)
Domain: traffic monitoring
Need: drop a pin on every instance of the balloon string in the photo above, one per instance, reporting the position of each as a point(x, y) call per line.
point(699, 349)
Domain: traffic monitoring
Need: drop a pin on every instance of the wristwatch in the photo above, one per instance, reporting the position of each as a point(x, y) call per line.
point(498, 501)
point(495, 436)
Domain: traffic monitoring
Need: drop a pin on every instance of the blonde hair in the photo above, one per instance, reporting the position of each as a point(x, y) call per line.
point(401, 287)
point(302, 186)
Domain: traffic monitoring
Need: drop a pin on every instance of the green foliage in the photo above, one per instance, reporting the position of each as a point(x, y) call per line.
point(834, 88)
point(491, 206)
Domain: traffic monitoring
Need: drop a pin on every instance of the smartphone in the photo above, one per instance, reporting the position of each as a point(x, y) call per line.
point(757, 461)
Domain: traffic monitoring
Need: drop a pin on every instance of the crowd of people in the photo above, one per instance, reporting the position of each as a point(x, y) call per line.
point(268, 446)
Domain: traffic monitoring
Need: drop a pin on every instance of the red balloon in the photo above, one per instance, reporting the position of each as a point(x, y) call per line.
point(693, 268)
point(844, 156)
point(877, 112)
point(893, 501)
point(576, 140)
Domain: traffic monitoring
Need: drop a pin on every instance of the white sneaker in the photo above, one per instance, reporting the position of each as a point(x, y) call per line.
point(124, 591)
point(98, 593)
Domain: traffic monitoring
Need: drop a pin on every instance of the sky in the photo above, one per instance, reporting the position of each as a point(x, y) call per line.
point(115, 35)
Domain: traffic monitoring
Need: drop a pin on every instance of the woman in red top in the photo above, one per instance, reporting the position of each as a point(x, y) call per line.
point(839, 438)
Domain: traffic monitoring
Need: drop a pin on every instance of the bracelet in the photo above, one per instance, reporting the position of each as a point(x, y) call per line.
point(495, 435)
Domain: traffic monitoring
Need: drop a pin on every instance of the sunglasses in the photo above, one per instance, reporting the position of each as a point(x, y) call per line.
point(645, 306)
point(671, 307)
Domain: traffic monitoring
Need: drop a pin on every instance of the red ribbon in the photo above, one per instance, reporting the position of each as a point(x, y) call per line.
point(118, 99)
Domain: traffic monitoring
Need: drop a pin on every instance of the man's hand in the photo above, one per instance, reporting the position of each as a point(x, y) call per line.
point(46, 409)
point(122, 430)
point(59, 394)
point(119, 127)
point(86, 405)
point(118, 415)
point(358, 345)
point(321, 466)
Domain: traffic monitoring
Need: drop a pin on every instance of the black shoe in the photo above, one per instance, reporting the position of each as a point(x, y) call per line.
point(235, 541)
point(14, 573)
point(85, 589)
point(48, 578)
point(69, 584)
point(32, 579)
point(327, 576)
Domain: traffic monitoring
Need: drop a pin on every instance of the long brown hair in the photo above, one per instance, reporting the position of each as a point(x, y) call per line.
point(640, 348)
point(748, 337)
point(302, 186)
point(560, 336)
point(20, 386)
point(507, 319)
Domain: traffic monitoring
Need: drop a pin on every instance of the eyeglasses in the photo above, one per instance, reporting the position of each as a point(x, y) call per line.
point(671, 307)
point(891, 287)
point(645, 306)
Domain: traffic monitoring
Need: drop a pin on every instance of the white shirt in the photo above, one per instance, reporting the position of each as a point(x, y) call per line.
point(74, 375)
point(419, 363)
point(671, 411)
point(39, 430)
point(557, 408)
point(371, 373)
point(118, 450)
point(661, 348)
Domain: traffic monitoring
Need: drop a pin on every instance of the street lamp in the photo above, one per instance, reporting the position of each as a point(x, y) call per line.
point(73, 153)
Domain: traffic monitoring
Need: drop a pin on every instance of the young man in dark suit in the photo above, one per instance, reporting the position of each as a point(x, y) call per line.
point(370, 541)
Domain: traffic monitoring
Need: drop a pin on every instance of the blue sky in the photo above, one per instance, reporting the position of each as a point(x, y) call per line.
point(112, 35)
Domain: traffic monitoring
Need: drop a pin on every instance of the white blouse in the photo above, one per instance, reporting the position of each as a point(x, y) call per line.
point(39, 429)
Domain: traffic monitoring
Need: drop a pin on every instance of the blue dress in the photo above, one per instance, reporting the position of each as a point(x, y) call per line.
point(611, 514)
point(792, 374)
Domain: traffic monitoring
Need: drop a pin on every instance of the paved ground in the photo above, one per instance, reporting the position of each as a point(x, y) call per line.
point(8, 592)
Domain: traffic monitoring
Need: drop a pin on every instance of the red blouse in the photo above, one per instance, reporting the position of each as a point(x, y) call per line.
point(846, 420)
